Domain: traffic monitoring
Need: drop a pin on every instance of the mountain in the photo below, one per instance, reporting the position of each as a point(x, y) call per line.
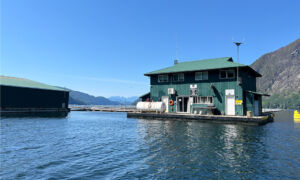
point(80, 98)
point(122, 100)
point(280, 76)
point(280, 69)
point(75, 101)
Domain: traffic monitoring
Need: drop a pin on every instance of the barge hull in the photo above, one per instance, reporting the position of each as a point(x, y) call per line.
point(34, 112)
point(260, 120)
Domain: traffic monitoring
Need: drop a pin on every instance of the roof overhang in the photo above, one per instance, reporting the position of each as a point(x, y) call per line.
point(258, 93)
point(248, 67)
point(203, 65)
point(144, 95)
point(60, 89)
point(255, 72)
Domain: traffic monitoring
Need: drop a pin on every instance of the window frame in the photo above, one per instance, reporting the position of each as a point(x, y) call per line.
point(221, 73)
point(178, 79)
point(165, 79)
point(226, 74)
point(232, 73)
point(202, 75)
point(199, 99)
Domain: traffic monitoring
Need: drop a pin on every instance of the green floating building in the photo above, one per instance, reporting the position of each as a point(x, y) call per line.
point(203, 86)
point(23, 97)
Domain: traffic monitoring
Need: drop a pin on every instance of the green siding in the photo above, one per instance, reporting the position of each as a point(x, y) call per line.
point(249, 84)
point(158, 90)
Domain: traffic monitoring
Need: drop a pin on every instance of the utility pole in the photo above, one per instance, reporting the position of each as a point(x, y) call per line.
point(237, 58)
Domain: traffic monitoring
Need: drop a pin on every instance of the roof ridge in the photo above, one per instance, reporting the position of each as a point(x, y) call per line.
point(198, 65)
point(23, 82)
point(221, 58)
point(17, 78)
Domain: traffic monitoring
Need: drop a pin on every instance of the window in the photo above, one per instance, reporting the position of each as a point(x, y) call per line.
point(196, 100)
point(201, 76)
point(230, 74)
point(163, 78)
point(178, 77)
point(203, 100)
point(227, 74)
point(210, 100)
point(223, 74)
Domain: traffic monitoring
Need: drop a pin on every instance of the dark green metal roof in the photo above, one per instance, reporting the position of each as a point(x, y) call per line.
point(26, 83)
point(147, 94)
point(199, 65)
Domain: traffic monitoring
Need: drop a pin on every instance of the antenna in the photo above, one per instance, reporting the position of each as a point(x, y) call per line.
point(176, 57)
point(237, 58)
point(176, 36)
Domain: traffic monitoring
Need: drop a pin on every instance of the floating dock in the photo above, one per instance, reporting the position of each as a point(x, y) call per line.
point(256, 120)
point(105, 109)
point(34, 112)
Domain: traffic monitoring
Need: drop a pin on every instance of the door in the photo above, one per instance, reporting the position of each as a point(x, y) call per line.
point(256, 108)
point(182, 104)
point(165, 99)
point(230, 105)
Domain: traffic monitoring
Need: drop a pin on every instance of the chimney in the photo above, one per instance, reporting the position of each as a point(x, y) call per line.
point(175, 61)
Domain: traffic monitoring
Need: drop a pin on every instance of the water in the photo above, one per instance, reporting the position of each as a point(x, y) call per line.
point(98, 145)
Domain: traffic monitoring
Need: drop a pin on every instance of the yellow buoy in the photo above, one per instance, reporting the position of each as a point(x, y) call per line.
point(296, 116)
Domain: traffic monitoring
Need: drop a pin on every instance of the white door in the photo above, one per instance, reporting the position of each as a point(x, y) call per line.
point(190, 102)
point(230, 105)
point(165, 99)
point(256, 109)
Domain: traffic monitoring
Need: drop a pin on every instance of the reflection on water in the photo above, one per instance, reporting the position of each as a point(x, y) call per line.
point(204, 150)
point(297, 116)
point(216, 150)
point(97, 145)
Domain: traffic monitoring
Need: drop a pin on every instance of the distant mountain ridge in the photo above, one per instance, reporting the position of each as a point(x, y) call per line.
point(280, 71)
point(80, 98)
point(91, 100)
point(123, 100)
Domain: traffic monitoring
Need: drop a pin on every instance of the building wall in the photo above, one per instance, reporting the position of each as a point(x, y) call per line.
point(18, 97)
point(204, 89)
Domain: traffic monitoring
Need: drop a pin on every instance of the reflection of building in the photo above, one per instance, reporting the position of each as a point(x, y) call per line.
point(193, 86)
point(185, 150)
point(297, 116)
point(26, 96)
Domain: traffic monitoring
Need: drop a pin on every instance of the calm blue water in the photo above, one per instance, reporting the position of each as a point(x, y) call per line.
point(97, 145)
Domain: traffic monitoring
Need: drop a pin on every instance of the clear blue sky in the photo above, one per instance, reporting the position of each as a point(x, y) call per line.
point(104, 47)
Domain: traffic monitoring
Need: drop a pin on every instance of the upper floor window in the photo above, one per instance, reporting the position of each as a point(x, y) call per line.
point(227, 74)
point(178, 77)
point(203, 75)
point(163, 78)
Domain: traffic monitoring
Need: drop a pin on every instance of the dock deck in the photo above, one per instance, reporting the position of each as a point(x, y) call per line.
point(105, 109)
point(256, 120)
